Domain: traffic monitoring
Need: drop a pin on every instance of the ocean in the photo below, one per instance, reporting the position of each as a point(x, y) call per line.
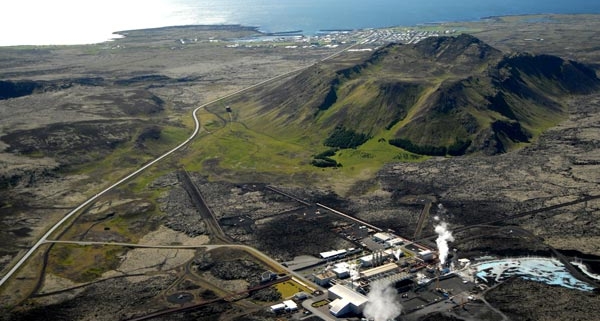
point(42, 22)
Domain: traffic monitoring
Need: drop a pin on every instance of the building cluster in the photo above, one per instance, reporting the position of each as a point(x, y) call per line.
point(350, 272)
point(333, 39)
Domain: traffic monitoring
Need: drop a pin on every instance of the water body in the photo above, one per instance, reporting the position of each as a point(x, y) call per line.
point(76, 22)
point(549, 271)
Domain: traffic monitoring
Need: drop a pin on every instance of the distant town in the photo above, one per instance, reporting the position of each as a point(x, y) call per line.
point(369, 38)
point(335, 38)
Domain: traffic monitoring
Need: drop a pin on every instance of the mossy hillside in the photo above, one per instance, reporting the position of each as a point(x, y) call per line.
point(368, 105)
point(239, 148)
point(439, 93)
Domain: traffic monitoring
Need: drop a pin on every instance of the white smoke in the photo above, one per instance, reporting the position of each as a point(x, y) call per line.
point(444, 236)
point(383, 304)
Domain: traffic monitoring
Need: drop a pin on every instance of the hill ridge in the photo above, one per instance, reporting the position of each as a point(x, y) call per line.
point(453, 95)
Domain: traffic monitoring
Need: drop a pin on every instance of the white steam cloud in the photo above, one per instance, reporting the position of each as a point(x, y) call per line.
point(383, 304)
point(444, 236)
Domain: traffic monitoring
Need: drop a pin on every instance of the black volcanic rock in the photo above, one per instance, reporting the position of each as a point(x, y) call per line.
point(14, 89)
point(19, 88)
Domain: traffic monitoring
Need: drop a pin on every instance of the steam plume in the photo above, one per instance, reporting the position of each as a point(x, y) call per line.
point(444, 236)
point(382, 304)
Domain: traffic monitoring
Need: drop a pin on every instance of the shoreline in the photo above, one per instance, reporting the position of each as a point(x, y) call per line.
point(121, 34)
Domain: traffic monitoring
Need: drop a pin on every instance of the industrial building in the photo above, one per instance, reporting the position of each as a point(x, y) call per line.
point(395, 242)
point(376, 258)
point(341, 270)
point(426, 255)
point(324, 278)
point(381, 237)
point(337, 254)
point(393, 260)
point(330, 255)
point(287, 306)
point(376, 271)
point(345, 300)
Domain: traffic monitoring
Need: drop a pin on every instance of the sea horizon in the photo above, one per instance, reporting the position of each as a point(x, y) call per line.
point(69, 22)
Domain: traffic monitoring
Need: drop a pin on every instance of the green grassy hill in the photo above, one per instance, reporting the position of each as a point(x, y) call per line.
point(442, 96)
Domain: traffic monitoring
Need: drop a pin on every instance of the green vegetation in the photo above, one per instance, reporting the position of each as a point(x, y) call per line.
point(324, 162)
point(324, 159)
point(345, 138)
point(289, 288)
point(83, 263)
point(458, 148)
point(419, 149)
point(321, 303)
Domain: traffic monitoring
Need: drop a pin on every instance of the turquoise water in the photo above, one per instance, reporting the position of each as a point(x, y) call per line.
point(70, 22)
point(549, 271)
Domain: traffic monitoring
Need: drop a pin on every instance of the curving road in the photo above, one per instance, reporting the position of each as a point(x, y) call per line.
point(72, 213)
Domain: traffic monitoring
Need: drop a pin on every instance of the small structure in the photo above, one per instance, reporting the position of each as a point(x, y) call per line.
point(330, 255)
point(394, 242)
point(300, 296)
point(290, 305)
point(267, 276)
point(344, 300)
point(280, 307)
point(324, 278)
point(398, 253)
point(426, 255)
point(342, 270)
point(287, 306)
point(381, 237)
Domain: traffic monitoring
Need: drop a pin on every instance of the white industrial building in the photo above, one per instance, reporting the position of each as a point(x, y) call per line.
point(395, 242)
point(278, 308)
point(376, 258)
point(426, 255)
point(383, 269)
point(332, 254)
point(341, 270)
point(381, 237)
point(287, 305)
point(345, 300)
point(290, 305)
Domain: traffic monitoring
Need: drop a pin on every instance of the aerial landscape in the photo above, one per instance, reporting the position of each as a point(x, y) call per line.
point(439, 171)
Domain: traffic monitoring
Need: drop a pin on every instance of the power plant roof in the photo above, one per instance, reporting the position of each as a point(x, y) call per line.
point(351, 296)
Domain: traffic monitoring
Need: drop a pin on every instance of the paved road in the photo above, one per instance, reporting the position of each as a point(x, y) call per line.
point(92, 199)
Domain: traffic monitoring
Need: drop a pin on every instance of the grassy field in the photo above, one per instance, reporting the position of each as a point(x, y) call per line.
point(82, 263)
point(289, 288)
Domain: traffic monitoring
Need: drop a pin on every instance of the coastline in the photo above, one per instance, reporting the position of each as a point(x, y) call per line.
point(120, 34)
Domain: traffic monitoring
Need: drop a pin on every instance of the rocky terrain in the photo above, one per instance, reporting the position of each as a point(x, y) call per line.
point(74, 119)
point(525, 300)
point(131, 100)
